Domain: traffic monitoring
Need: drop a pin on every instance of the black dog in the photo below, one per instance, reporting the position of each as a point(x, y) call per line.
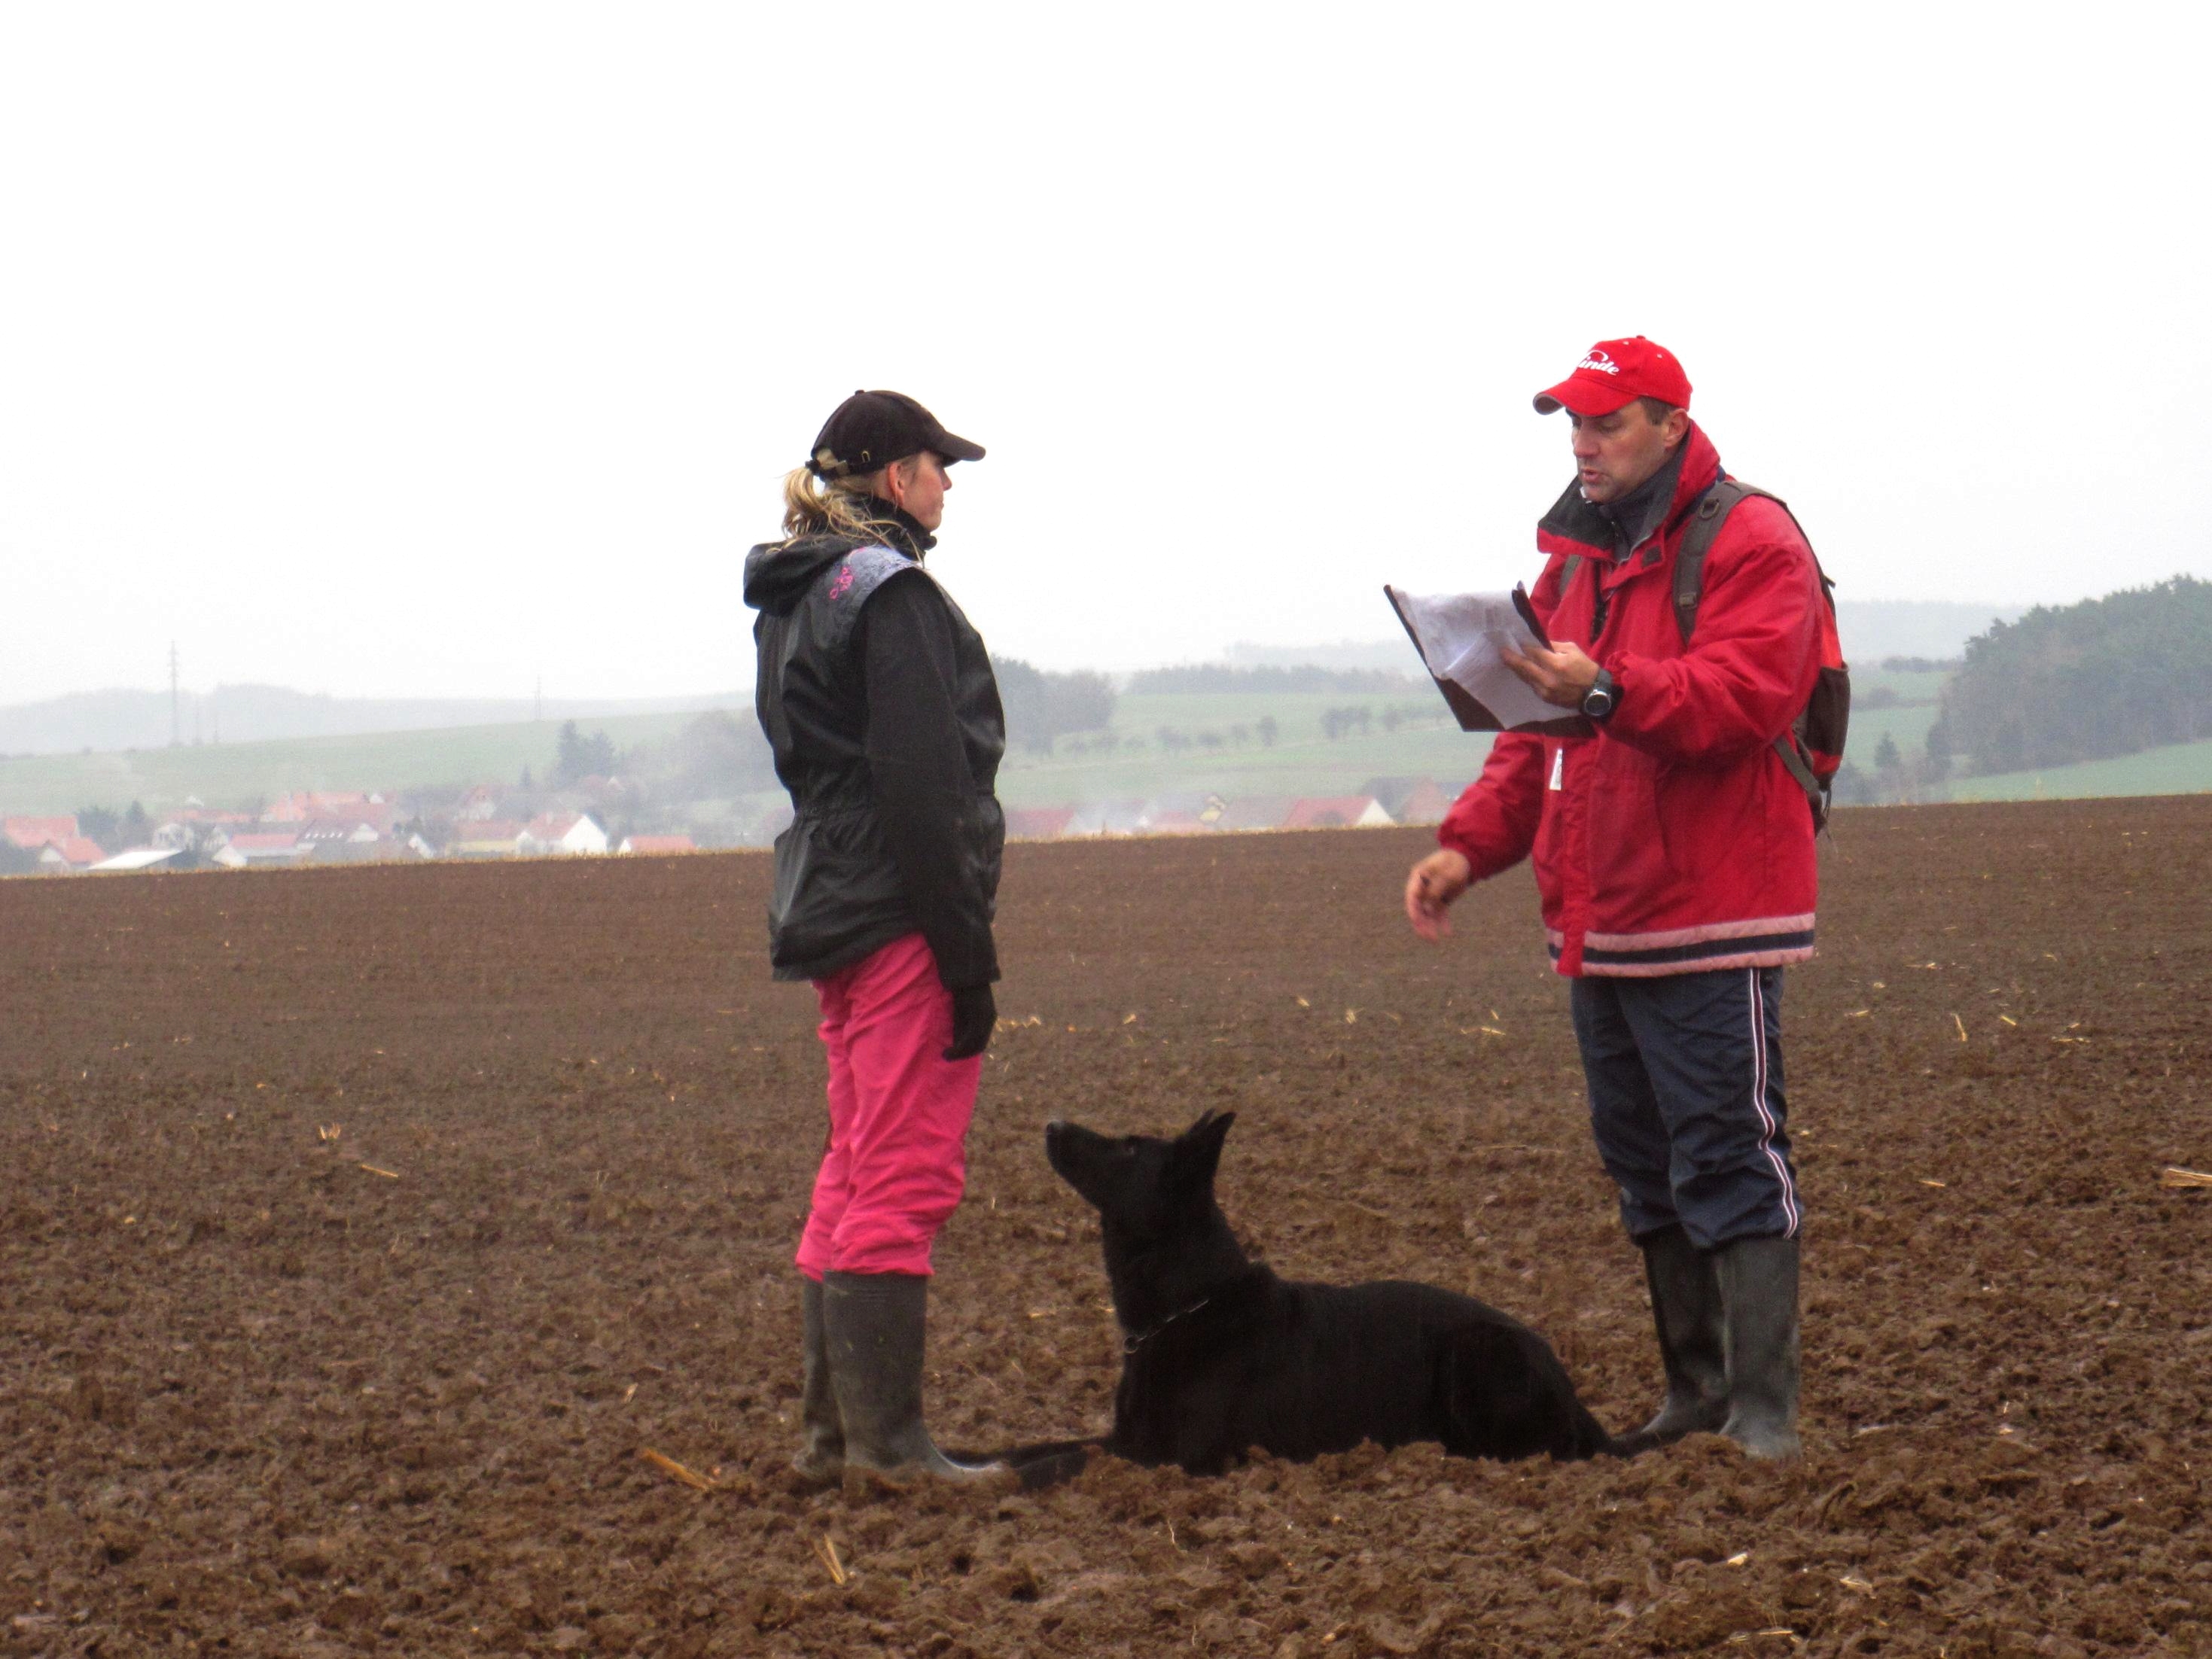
point(1222, 1355)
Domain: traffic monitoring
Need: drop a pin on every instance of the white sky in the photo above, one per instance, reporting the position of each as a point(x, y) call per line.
point(416, 349)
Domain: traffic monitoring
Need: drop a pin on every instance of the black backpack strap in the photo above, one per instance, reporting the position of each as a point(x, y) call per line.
point(1710, 515)
point(1706, 519)
point(1793, 756)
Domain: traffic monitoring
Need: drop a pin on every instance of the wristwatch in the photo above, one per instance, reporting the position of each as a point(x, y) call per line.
point(1602, 698)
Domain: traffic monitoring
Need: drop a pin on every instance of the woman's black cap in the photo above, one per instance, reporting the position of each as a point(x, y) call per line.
point(872, 429)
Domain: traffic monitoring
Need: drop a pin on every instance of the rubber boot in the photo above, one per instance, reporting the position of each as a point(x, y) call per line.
point(821, 1458)
point(1758, 1287)
point(1686, 1308)
point(876, 1324)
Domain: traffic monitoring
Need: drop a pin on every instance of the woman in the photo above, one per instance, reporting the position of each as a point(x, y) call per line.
point(878, 702)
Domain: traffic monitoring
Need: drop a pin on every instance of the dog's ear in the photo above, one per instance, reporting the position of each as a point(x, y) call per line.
point(1197, 1150)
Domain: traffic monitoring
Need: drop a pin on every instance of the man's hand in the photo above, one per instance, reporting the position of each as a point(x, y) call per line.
point(974, 1014)
point(1435, 882)
point(1559, 675)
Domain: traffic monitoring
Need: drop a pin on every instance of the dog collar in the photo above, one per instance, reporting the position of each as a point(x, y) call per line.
point(1131, 1344)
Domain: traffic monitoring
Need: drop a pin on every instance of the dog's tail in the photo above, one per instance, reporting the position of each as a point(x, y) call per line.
point(1047, 1463)
point(1632, 1444)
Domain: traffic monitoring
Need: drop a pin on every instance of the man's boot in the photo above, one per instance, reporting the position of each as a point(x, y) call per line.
point(1758, 1286)
point(876, 1324)
point(821, 1458)
point(1686, 1309)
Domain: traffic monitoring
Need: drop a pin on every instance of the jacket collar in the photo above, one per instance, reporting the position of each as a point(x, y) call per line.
point(1638, 515)
point(1582, 528)
point(911, 538)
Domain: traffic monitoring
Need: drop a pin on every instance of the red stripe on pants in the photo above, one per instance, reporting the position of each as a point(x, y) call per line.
point(896, 1161)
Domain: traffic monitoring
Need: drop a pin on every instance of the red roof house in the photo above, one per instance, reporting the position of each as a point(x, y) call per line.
point(562, 832)
point(70, 852)
point(32, 834)
point(305, 805)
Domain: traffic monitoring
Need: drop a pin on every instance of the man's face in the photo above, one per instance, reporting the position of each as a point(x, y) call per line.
point(1615, 452)
point(919, 490)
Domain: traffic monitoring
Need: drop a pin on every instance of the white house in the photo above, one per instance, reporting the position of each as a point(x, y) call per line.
point(258, 847)
point(562, 832)
point(139, 858)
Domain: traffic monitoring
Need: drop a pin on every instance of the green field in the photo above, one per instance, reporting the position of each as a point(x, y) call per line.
point(241, 776)
point(1908, 684)
point(1907, 727)
point(2181, 768)
point(1302, 760)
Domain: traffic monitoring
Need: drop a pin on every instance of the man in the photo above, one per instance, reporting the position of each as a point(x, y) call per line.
point(878, 702)
point(1674, 853)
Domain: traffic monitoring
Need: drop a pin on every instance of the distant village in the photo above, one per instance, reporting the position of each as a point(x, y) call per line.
point(317, 828)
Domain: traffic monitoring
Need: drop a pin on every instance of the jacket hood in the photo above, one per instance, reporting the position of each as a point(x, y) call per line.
point(778, 573)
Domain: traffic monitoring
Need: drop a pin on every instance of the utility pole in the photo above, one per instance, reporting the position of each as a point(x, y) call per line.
point(176, 720)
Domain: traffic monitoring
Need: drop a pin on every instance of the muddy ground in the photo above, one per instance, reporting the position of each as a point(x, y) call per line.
point(361, 1229)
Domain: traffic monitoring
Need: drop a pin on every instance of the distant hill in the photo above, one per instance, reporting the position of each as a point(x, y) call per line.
point(1394, 655)
point(1872, 630)
point(109, 720)
point(1937, 629)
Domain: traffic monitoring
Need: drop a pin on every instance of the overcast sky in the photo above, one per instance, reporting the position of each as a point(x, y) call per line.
point(436, 348)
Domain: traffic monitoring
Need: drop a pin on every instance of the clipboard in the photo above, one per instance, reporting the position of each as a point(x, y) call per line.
point(1471, 712)
point(1527, 614)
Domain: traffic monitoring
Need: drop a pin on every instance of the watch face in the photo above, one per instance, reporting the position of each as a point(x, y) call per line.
point(1597, 702)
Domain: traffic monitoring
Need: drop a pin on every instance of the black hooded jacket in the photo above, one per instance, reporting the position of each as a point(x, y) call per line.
point(878, 702)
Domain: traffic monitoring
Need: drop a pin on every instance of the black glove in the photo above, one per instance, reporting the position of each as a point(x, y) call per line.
point(974, 1013)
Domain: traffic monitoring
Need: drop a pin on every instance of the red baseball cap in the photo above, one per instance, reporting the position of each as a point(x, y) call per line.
point(1615, 373)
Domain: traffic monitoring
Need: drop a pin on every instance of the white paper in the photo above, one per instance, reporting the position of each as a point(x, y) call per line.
point(1463, 637)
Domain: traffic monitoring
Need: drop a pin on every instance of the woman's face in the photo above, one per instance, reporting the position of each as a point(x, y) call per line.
point(920, 494)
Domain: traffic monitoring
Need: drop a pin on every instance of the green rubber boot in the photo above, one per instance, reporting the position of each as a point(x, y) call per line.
point(1758, 1287)
point(821, 1457)
point(1686, 1309)
point(876, 1324)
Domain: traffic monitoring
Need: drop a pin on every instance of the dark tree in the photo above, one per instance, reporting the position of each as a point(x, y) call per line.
point(1939, 750)
point(576, 756)
point(1041, 706)
point(714, 758)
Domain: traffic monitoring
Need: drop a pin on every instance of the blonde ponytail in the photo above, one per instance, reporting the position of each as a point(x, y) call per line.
point(837, 506)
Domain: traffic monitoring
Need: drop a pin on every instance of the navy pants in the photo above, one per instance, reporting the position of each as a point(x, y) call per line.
point(1685, 1074)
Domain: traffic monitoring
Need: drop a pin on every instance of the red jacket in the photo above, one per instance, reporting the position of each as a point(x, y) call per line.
point(1675, 840)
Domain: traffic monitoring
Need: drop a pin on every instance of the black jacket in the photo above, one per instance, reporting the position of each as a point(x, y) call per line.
point(878, 702)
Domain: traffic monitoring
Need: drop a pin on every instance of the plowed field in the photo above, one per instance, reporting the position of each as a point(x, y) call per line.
point(360, 1229)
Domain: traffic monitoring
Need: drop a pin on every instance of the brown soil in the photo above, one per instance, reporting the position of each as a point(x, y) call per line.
point(363, 1227)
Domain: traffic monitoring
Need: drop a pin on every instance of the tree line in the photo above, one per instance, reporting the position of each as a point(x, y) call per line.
point(1267, 679)
point(2129, 672)
point(1043, 706)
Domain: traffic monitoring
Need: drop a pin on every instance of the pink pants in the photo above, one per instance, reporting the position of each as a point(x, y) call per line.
point(895, 1161)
